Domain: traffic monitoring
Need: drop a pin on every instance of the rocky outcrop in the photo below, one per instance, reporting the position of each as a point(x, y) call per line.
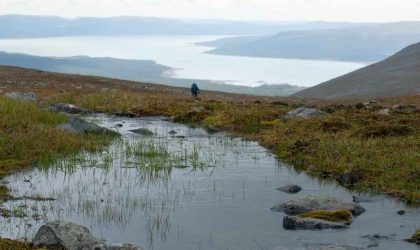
point(291, 189)
point(22, 96)
point(69, 108)
point(78, 125)
point(70, 236)
point(142, 131)
point(304, 113)
point(296, 223)
point(313, 202)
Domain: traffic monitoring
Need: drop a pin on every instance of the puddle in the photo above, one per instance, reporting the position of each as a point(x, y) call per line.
point(187, 190)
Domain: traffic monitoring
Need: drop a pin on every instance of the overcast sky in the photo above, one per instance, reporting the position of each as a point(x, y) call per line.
point(333, 10)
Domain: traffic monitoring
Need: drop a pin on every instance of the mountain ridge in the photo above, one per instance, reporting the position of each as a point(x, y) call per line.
point(397, 75)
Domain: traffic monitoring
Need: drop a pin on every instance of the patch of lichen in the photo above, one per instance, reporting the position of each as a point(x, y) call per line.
point(334, 216)
point(415, 238)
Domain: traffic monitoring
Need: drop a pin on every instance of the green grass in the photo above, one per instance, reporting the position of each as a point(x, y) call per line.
point(29, 136)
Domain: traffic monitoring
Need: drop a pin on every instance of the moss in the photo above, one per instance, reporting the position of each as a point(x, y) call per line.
point(415, 238)
point(6, 244)
point(335, 216)
point(386, 131)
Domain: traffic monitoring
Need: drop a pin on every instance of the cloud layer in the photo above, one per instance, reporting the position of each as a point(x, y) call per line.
point(337, 10)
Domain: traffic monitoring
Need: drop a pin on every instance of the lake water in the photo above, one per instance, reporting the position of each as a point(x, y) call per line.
point(220, 198)
point(179, 52)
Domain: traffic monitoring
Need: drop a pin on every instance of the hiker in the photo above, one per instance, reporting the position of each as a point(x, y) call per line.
point(195, 90)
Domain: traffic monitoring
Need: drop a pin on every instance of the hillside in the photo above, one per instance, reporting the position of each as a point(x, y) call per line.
point(396, 76)
point(364, 43)
point(22, 26)
point(134, 70)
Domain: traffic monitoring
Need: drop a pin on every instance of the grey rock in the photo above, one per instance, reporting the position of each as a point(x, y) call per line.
point(291, 189)
point(172, 132)
point(69, 108)
point(142, 131)
point(60, 234)
point(383, 112)
point(305, 113)
point(123, 247)
point(78, 125)
point(401, 212)
point(296, 223)
point(313, 202)
point(322, 246)
point(200, 109)
point(22, 96)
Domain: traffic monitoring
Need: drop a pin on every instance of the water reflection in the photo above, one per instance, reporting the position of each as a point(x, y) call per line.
point(183, 190)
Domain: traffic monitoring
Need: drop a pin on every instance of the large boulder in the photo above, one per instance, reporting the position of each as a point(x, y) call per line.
point(22, 96)
point(305, 113)
point(70, 236)
point(312, 202)
point(66, 235)
point(78, 125)
point(296, 223)
point(69, 108)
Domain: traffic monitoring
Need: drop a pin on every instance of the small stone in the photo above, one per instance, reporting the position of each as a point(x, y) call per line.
point(142, 131)
point(401, 212)
point(172, 132)
point(383, 112)
point(305, 113)
point(291, 189)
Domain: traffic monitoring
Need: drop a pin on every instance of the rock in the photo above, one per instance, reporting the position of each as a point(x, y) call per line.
point(69, 108)
point(212, 129)
point(200, 109)
point(119, 125)
point(295, 223)
point(291, 189)
point(172, 132)
point(321, 246)
point(305, 113)
point(66, 235)
point(22, 96)
point(313, 202)
point(401, 212)
point(360, 106)
point(142, 131)
point(383, 112)
point(80, 126)
point(123, 247)
point(70, 236)
point(349, 178)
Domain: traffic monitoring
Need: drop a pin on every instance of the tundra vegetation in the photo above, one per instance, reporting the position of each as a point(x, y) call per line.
point(354, 144)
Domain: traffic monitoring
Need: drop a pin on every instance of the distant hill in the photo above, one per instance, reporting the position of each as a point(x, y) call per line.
point(135, 70)
point(364, 43)
point(22, 26)
point(396, 76)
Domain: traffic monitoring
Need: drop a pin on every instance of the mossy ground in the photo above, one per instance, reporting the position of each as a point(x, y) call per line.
point(334, 216)
point(415, 238)
point(6, 244)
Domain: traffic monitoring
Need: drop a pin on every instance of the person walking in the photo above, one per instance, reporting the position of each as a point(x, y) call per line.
point(195, 90)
